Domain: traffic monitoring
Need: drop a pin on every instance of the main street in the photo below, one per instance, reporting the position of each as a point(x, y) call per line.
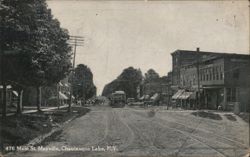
point(134, 131)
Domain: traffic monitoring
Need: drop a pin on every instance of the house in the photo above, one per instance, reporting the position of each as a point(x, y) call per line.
point(11, 97)
point(53, 95)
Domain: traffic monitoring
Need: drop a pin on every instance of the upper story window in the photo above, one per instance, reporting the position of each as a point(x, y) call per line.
point(236, 74)
point(217, 76)
point(221, 76)
point(213, 73)
point(210, 74)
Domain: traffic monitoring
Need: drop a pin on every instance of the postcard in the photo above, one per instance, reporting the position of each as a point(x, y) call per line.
point(124, 78)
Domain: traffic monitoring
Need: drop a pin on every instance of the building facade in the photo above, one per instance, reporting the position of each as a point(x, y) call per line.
point(160, 86)
point(223, 79)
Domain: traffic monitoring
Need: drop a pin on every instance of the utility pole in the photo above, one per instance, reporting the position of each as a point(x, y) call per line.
point(198, 76)
point(3, 82)
point(74, 41)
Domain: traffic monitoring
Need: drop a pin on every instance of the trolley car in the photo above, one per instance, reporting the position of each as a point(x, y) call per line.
point(118, 99)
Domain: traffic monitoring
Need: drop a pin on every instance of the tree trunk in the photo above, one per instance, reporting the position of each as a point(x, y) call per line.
point(38, 98)
point(20, 102)
point(70, 101)
point(58, 100)
point(4, 103)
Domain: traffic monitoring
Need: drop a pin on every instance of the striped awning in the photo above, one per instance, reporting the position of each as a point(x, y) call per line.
point(141, 98)
point(60, 84)
point(15, 93)
point(177, 94)
point(146, 97)
point(155, 96)
point(185, 95)
point(62, 96)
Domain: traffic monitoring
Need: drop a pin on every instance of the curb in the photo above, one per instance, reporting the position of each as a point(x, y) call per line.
point(41, 138)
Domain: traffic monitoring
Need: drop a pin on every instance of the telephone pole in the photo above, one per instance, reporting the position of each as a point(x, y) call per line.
point(75, 41)
point(198, 76)
point(3, 81)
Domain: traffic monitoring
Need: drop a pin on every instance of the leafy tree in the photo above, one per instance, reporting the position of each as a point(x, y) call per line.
point(151, 75)
point(83, 86)
point(41, 54)
point(127, 81)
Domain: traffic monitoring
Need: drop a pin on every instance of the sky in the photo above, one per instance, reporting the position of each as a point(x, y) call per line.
point(143, 34)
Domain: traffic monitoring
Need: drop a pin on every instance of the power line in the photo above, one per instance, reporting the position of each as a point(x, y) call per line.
point(75, 41)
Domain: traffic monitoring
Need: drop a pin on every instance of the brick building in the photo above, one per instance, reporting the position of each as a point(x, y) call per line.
point(223, 78)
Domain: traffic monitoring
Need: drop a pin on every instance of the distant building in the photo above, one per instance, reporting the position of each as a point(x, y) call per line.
point(160, 86)
point(50, 95)
point(224, 78)
point(11, 96)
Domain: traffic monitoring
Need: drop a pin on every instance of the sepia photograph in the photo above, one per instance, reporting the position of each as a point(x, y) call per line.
point(124, 78)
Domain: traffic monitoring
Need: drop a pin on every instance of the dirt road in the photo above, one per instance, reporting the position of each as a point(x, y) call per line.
point(129, 131)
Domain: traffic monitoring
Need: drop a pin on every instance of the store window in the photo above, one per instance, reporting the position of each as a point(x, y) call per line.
point(231, 94)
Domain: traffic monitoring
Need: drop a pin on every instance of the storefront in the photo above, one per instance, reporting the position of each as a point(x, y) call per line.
point(184, 99)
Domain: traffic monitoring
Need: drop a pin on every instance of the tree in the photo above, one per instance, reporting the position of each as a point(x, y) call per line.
point(127, 81)
point(151, 75)
point(42, 55)
point(83, 86)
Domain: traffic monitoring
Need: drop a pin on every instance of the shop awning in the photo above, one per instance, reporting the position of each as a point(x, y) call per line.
point(177, 94)
point(193, 95)
point(141, 98)
point(8, 86)
point(62, 96)
point(185, 95)
point(146, 97)
point(15, 93)
point(60, 84)
point(155, 96)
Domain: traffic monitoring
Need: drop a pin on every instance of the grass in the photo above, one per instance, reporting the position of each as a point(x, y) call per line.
point(19, 130)
point(230, 117)
point(208, 115)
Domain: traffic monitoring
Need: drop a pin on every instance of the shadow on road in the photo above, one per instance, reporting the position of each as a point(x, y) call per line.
point(208, 115)
point(230, 117)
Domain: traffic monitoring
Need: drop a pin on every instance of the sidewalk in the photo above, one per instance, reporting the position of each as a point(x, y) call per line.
point(35, 110)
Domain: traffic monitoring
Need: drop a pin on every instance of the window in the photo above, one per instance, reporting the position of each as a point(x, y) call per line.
point(236, 74)
point(210, 74)
point(221, 76)
point(228, 94)
point(221, 69)
point(231, 94)
point(217, 76)
point(213, 74)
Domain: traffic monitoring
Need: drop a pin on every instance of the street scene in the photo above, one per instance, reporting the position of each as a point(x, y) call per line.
point(134, 131)
point(124, 78)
